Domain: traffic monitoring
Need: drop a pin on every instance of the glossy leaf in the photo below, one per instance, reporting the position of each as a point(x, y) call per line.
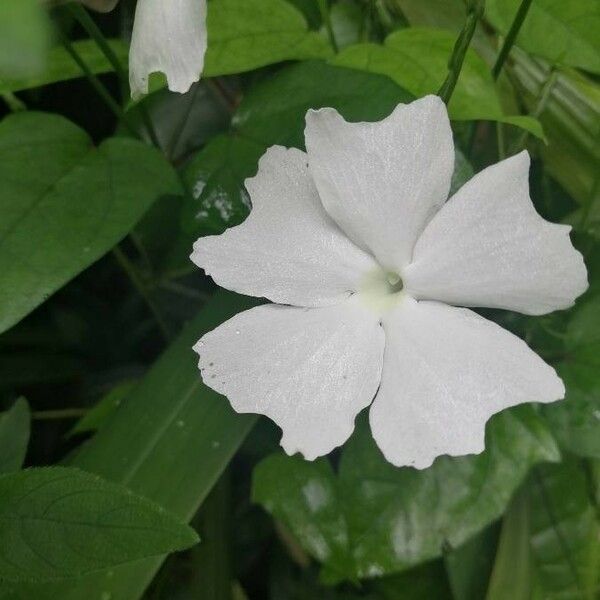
point(215, 179)
point(170, 441)
point(247, 34)
point(417, 59)
point(64, 203)
point(59, 66)
point(576, 420)
point(561, 32)
point(375, 519)
point(14, 436)
point(59, 522)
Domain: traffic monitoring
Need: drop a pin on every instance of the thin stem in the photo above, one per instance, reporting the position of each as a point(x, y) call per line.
point(511, 36)
point(140, 286)
point(544, 98)
point(97, 85)
point(14, 103)
point(474, 13)
point(96, 34)
point(326, 16)
point(65, 413)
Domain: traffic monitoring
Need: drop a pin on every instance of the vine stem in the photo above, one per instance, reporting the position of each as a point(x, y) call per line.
point(475, 10)
point(326, 16)
point(65, 413)
point(140, 286)
point(97, 85)
point(96, 34)
point(511, 36)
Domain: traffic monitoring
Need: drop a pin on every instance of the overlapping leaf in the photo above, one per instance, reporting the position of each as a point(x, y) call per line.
point(373, 519)
point(64, 203)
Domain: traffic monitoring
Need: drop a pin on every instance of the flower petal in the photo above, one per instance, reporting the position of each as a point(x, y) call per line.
point(488, 247)
point(446, 372)
point(288, 249)
point(310, 370)
point(168, 37)
point(381, 182)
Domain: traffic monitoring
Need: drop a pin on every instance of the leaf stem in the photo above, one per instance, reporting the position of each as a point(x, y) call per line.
point(97, 85)
point(64, 413)
point(14, 103)
point(137, 281)
point(326, 16)
point(96, 34)
point(475, 10)
point(511, 36)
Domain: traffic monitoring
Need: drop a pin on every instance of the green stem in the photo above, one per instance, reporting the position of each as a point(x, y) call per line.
point(14, 103)
point(500, 141)
point(544, 98)
point(326, 16)
point(98, 86)
point(140, 286)
point(65, 413)
point(96, 34)
point(474, 13)
point(511, 37)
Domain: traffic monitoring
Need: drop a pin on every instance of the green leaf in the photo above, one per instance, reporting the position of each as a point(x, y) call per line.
point(247, 34)
point(273, 112)
point(576, 420)
point(24, 38)
point(59, 522)
point(170, 441)
point(59, 65)
point(14, 436)
point(561, 32)
point(374, 519)
point(64, 203)
point(417, 59)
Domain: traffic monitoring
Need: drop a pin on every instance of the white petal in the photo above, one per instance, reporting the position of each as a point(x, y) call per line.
point(488, 247)
point(382, 182)
point(446, 372)
point(310, 370)
point(169, 36)
point(288, 249)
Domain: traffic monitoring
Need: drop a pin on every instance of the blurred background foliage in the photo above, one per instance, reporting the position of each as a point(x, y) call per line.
point(100, 201)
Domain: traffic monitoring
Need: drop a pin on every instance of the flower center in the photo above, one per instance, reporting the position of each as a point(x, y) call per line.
point(381, 290)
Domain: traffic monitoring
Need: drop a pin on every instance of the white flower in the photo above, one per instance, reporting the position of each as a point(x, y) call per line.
point(357, 237)
point(168, 36)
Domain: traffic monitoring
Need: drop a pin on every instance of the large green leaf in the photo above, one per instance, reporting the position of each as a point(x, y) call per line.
point(58, 522)
point(561, 32)
point(417, 59)
point(64, 203)
point(576, 420)
point(247, 34)
point(14, 436)
point(59, 65)
point(169, 440)
point(374, 519)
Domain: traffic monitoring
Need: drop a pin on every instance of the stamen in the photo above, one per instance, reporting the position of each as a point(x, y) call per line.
point(395, 282)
